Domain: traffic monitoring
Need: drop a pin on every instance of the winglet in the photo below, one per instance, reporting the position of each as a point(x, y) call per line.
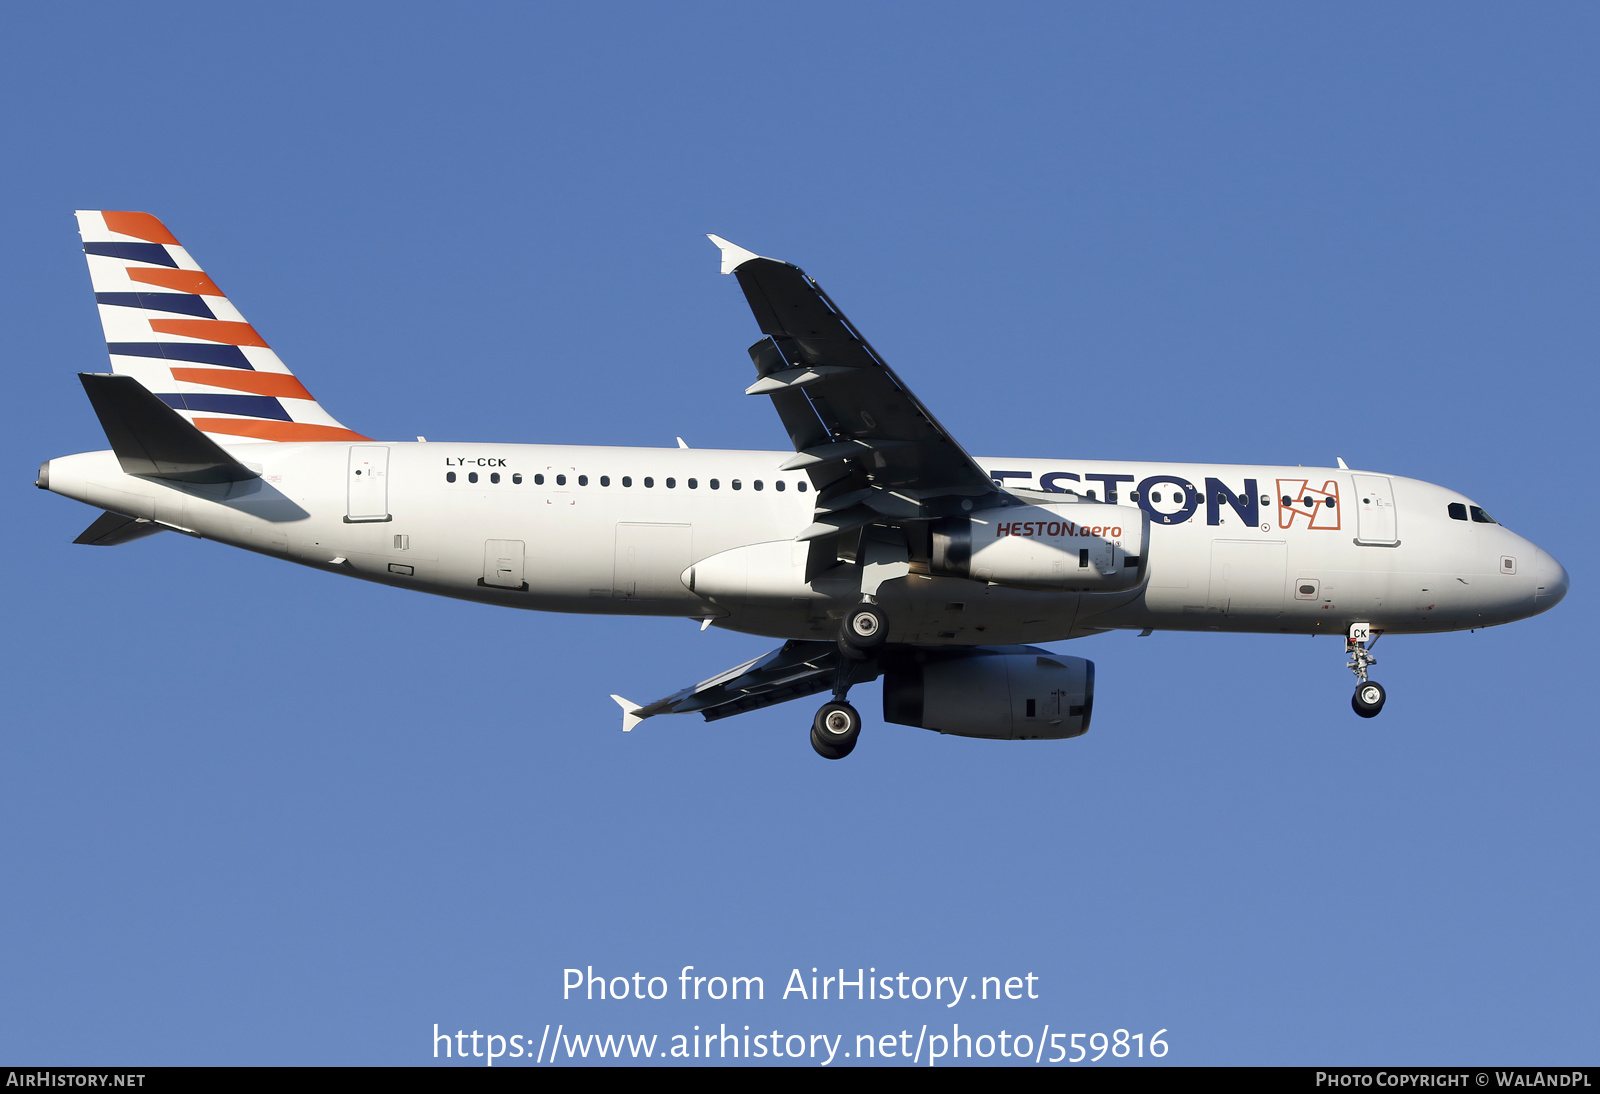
point(733, 255)
point(1342, 465)
point(630, 712)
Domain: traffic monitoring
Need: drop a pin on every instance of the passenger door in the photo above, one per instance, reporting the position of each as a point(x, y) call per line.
point(1375, 513)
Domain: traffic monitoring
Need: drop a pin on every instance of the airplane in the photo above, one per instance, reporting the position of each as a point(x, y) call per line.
point(873, 546)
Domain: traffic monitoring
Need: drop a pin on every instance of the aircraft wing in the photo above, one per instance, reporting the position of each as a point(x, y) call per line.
point(873, 451)
point(795, 669)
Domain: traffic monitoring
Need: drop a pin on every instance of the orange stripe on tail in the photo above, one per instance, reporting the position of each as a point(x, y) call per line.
point(140, 226)
point(178, 280)
point(277, 431)
point(212, 330)
point(280, 384)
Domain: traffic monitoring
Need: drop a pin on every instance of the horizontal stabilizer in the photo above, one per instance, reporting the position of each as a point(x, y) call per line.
point(150, 438)
point(630, 713)
point(111, 529)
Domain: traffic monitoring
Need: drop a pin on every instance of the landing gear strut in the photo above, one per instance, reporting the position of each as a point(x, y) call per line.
point(837, 726)
point(1369, 696)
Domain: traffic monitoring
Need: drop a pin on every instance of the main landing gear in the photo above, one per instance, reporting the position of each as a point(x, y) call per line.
point(837, 726)
point(835, 730)
point(863, 629)
point(1369, 696)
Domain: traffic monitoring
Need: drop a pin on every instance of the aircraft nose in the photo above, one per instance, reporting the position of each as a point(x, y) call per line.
point(1551, 582)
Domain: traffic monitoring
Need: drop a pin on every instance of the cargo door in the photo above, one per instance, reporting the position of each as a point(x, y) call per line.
point(502, 564)
point(1248, 576)
point(1375, 515)
point(367, 489)
point(650, 560)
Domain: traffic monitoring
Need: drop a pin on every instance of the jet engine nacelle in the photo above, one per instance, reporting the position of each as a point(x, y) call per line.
point(1084, 547)
point(1000, 692)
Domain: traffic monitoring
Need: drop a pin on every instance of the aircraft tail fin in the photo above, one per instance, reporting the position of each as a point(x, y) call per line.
point(169, 327)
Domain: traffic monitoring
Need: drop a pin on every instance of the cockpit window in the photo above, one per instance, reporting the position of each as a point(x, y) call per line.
point(1458, 511)
point(1480, 517)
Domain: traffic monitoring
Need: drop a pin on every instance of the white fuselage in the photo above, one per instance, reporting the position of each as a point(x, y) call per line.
point(583, 532)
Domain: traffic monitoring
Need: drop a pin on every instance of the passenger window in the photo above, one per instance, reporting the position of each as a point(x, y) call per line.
point(693, 484)
point(1287, 500)
point(734, 484)
point(1155, 496)
point(1480, 517)
point(538, 480)
point(1329, 503)
point(472, 476)
point(517, 478)
point(1091, 497)
point(605, 480)
point(758, 484)
point(583, 480)
point(649, 482)
point(561, 480)
point(1265, 500)
point(801, 486)
point(715, 484)
point(671, 483)
point(626, 481)
point(450, 476)
point(494, 476)
point(776, 486)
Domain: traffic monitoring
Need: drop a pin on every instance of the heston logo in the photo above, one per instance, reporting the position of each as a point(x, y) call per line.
point(1319, 509)
point(1057, 529)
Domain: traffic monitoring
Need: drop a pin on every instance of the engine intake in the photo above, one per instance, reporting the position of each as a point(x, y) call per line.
point(1008, 693)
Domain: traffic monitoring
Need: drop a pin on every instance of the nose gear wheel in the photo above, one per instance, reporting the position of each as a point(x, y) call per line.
point(1369, 697)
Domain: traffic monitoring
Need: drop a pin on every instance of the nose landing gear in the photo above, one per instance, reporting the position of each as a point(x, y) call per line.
point(1369, 697)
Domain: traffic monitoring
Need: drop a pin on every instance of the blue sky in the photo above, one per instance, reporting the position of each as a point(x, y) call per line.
point(259, 814)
